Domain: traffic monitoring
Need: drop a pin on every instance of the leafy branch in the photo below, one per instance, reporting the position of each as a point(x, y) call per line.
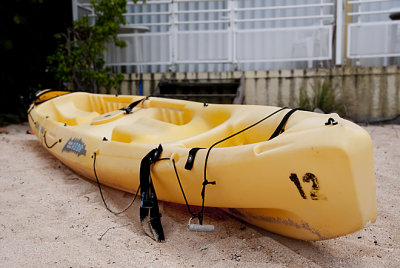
point(79, 58)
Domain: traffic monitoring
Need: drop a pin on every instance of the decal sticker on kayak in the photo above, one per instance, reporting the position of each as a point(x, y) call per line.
point(75, 146)
point(307, 178)
point(39, 128)
point(295, 180)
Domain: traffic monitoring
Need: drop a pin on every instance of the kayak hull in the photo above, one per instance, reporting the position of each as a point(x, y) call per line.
point(314, 181)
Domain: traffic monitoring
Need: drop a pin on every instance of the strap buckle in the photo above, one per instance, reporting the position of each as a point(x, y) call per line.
point(147, 202)
point(127, 110)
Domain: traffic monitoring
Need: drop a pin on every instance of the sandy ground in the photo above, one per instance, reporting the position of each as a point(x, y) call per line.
point(50, 217)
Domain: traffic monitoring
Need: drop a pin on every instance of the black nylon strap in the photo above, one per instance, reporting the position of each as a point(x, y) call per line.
point(145, 165)
point(128, 109)
point(149, 203)
point(190, 160)
point(281, 127)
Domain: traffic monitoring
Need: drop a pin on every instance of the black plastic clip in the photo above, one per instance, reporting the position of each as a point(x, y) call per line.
point(147, 202)
point(331, 121)
point(206, 182)
point(190, 160)
point(156, 154)
point(127, 110)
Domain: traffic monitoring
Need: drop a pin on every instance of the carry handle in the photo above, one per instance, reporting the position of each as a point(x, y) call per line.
point(193, 227)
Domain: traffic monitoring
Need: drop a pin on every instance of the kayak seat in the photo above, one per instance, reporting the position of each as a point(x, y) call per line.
point(167, 122)
point(68, 113)
point(153, 130)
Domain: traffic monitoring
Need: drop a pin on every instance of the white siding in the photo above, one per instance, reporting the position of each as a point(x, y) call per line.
point(373, 38)
point(226, 35)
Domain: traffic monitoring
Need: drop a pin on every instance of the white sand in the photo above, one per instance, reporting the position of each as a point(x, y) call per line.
point(49, 216)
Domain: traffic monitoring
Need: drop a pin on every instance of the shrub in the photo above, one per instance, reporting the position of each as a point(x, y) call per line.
point(324, 98)
point(79, 58)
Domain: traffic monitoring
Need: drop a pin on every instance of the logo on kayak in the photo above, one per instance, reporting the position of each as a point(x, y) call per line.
point(39, 128)
point(75, 146)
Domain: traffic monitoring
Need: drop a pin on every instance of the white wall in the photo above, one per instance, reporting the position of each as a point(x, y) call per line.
point(229, 35)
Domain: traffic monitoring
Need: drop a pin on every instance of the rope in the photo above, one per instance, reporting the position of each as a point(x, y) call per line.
point(44, 134)
point(30, 114)
point(101, 192)
point(183, 192)
point(206, 182)
point(45, 141)
point(180, 185)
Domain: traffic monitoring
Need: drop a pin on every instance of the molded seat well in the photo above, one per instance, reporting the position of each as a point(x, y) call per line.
point(163, 124)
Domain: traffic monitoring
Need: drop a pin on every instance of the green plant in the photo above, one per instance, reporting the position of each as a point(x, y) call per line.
point(324, 98)
point(79, 58)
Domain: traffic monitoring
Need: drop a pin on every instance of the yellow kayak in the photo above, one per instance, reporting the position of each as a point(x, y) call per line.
point(300, 174)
